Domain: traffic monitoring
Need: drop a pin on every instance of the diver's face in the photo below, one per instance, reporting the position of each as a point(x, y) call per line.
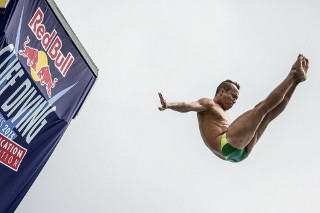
point(230, 97)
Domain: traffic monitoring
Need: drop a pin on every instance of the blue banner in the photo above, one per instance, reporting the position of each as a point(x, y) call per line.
point(44, 80)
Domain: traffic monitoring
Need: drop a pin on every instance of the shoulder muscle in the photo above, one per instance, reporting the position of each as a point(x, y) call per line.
point(206, 102)
point(202, 104)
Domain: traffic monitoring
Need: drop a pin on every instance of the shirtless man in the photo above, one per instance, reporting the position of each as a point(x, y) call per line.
point(233, 141)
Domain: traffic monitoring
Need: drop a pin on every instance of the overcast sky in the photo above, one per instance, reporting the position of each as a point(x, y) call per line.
point(122, 155)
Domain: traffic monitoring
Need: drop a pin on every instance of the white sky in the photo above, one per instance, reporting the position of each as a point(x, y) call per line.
point(122, 155)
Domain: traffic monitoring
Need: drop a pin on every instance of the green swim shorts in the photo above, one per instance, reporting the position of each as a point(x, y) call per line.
point(230, 153)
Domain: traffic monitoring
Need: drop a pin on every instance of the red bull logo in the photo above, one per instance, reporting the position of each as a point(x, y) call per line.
point(39, 68)
point(38, 60)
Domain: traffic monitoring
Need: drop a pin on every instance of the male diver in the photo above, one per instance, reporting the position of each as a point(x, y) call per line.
point(233, 141)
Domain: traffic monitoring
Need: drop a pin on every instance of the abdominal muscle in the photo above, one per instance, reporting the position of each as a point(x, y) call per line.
point(213, 125)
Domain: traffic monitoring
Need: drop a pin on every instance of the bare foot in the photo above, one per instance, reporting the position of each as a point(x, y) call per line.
point(300, 68)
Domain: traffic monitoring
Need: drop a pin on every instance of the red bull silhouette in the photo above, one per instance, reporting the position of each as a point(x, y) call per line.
point(31, 54)
point(45, 78)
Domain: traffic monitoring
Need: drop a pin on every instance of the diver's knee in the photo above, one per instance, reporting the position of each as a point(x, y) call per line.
point(262, 107)
point(259, 104)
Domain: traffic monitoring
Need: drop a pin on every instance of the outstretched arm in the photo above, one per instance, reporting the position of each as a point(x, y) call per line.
point(197, 106)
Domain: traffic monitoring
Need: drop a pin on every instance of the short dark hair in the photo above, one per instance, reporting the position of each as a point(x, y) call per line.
point(226, 85)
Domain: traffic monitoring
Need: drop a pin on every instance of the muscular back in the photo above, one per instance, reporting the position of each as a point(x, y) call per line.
point(213, 122)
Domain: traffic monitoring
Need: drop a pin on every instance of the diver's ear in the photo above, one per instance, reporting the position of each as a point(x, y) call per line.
point(221, 91)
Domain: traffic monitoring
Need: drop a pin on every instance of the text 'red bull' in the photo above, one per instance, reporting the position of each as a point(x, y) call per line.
point(53, 49)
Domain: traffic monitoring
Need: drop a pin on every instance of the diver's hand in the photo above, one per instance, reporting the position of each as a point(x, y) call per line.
point(163, 102)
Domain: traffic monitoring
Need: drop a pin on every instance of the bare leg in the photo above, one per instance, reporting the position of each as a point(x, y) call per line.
point(243, 130)
point(270, 116)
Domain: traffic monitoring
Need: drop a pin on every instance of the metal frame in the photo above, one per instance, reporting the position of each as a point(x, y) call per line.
point(73, 36)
